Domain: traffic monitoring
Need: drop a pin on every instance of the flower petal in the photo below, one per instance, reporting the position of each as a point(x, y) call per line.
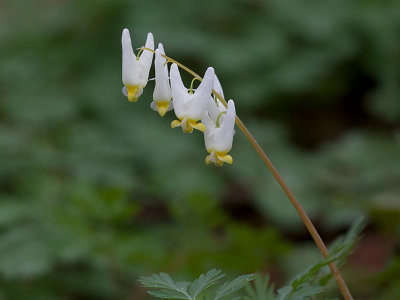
point(198, 126)
point(205, 88)
point(145, 59)
point(224, 135)
point(217, 86)
point(175, 123)
point(179, 92)
point(225, 158)
point(130, 67)
point(125, 91)
point(162, 90)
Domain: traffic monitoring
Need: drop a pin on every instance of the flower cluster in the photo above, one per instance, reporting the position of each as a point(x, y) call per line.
point(195, 109)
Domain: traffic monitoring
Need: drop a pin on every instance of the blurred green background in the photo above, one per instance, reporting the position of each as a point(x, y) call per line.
point(96, 191)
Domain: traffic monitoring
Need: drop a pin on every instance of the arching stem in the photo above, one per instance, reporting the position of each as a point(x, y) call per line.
point(301, 212)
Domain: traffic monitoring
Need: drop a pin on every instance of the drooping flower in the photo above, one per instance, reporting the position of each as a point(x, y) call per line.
point(135, 70)
point(218, 135)
point(190, 106)
point(162, 91)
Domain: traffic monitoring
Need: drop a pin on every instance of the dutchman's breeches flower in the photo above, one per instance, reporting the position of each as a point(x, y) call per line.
point(135, 70)
point(190, 107)
point(162, 91)
point(218, 136)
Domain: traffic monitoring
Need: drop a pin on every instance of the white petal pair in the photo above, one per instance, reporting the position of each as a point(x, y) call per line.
point(162, 91)
point(190, 107)
point(220, 123)
point(135, 70)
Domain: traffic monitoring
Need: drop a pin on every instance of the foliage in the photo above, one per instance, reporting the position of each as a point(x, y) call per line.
point(95, 191)
point(263, 289)
point(314, 280)
point(311, 282)
point(196, 289)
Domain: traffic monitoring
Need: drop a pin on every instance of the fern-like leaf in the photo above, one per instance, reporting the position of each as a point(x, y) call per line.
point(262, 290)
point(306, 284)
point(204, 282)
point(231, 287)
point(169, 289)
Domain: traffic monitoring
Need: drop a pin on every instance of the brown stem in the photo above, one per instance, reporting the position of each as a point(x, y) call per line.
point(303, 215)
point(301, 212)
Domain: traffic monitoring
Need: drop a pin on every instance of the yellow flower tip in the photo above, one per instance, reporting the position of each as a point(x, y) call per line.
point(133, 93)
point(175, 124)
point(218, 158)
point(198, 126)
point(162, 108)
point(224, 158)
point(188, 125)
point(187, 129)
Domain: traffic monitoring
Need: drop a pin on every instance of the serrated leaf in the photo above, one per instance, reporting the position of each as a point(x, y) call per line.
point(169, 294)
point(303, 285)
point(305, 291)
point(262, 289)
point(161, 280)
point(231, 287)
point(204, 282)
point(169, 289)
point(284, 292)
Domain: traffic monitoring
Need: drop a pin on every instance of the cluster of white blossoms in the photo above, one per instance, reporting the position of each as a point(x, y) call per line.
point(195, 109)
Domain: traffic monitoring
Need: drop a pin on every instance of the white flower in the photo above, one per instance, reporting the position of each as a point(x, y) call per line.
point(162, 91)
point(218, 135)
point(135, 70)
point(190, 107)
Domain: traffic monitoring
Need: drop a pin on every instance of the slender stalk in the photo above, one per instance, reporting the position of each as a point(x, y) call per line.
point(301, 212)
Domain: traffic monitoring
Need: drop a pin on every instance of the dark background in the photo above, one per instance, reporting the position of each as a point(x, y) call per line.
point(96, 191)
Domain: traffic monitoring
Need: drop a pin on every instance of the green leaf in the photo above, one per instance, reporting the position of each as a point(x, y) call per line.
point(179, 290)
point(305, 291)
point(169, 289)
point(204, 282)
point(231, 287)
point(170, 294)
point(262, 290)
point(306, 284)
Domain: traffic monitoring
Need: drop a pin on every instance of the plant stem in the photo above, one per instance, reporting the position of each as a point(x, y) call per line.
point(301, 212)
point(303, 215)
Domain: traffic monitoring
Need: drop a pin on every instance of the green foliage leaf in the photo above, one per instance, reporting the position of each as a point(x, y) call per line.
point(262, 289)
point(169, 289)
point(231, 287)
point(204, 282)
point(313, 281)
point(170, 294)
point(183, 290)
